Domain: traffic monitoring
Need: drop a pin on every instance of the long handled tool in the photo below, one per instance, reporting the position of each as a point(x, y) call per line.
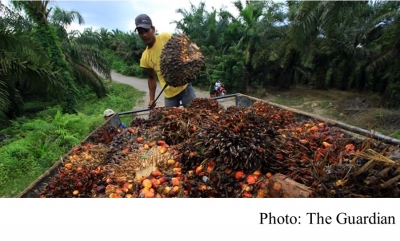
point(155, 101)
point(144, 109)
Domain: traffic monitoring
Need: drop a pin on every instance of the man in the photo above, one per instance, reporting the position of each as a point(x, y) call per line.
point(107, 115)
point(151, 61)
point(218, 85)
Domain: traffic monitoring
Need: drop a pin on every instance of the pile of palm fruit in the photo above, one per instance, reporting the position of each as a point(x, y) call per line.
point(208, 151)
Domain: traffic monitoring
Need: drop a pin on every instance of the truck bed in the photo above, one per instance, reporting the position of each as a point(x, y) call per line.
point(33, 190)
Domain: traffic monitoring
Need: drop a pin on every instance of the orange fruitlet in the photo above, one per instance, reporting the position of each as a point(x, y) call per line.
point(247, 195)
point(239, 175)
point(202, 187)
point(161, 143)
point(163, 150)
point(156, 173)
point(326, 144)
point(155, 182)
point(149, 194)
point(171, 162)
point(147, 183)
point(251, 179)
point(257, 173)
point(177, 169)
point(199, 169)
point(175, 182)
point(68, 166)
point(350, 147)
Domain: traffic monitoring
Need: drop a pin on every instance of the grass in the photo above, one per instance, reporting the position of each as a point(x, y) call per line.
point(289, 101)
point(35, 142)
point(396, 135)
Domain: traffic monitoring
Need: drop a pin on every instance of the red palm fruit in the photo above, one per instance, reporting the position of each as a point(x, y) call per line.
point(210, 166)
point(199, 169)
point(251, 179)
point(155, 182)
point(203, 187)
point(164, 179)
point(156, 173)
point(176, 169)
point(175, 181)
point(257, 173)
point(247, 195)
point(68, 166)
point(161, 143)
point(139, 139)
point(239, 175)
point(149, 194)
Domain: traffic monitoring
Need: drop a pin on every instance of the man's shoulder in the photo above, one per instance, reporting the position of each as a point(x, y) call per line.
point(164, 36)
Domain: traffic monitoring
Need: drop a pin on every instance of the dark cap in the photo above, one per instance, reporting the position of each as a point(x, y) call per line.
point(143, 21)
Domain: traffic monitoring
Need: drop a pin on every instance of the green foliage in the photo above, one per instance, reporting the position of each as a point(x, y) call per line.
point(122, 67)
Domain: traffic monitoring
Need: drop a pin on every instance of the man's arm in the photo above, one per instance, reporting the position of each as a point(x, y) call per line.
point(152, 82)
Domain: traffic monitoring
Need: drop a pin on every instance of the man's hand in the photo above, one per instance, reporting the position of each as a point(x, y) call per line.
point(152, 104)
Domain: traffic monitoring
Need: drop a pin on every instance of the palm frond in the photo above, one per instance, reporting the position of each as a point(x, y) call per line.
point(85, 74)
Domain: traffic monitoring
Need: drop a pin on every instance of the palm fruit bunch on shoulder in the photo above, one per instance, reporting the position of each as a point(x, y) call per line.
point(181, 61)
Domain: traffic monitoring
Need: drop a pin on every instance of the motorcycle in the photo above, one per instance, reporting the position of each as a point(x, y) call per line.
point(221, 91)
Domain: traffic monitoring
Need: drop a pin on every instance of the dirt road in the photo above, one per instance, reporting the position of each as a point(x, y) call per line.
point(141, 84)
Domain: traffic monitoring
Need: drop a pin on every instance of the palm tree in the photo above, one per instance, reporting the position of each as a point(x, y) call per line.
point(249, 36)
point(330, 33)
point(46, 34)
point(86, 60)
point(20, 58)
point(386, 63)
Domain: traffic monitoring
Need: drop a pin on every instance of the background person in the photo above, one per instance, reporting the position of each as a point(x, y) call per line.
point(217, 85)
point(107, 115)
point(150, 60)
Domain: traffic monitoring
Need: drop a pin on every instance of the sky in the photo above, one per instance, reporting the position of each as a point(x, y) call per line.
point(121, 14)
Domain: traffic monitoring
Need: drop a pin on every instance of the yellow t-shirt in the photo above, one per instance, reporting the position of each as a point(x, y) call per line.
point(151, 60)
